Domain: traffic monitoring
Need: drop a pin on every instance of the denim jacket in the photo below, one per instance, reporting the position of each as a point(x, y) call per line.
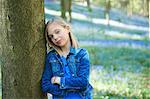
point(79, 66)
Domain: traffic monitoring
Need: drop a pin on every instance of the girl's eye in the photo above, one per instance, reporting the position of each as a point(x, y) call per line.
point(57, 32)
point(50, 36)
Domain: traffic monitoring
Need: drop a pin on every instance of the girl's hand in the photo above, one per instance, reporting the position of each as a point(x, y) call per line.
point(55, 80)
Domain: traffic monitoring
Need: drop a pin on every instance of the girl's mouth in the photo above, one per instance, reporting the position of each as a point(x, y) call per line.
point(58, 42)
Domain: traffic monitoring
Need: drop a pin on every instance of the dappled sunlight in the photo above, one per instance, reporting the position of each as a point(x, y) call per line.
point(74, 15)
point(52, 12)
point(80, 16)
point(119, 24)
point(117, 82)
point(124, 35)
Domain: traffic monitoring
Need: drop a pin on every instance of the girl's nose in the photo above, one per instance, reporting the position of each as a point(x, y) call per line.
point(55, 37)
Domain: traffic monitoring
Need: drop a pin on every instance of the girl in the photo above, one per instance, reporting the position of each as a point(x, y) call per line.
point(66, 72)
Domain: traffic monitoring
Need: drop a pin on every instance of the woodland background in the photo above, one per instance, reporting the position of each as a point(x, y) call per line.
point(115, 32)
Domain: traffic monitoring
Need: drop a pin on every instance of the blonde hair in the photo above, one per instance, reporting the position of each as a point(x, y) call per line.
point(61, 22)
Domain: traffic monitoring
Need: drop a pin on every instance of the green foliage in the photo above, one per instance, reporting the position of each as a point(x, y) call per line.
point(119, 73)
point(119, 56)
point(135, 5)
point(100, 34)
point(99, 2)
point(116, 73)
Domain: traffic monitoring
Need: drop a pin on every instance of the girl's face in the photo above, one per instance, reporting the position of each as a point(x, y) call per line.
point(58, 34)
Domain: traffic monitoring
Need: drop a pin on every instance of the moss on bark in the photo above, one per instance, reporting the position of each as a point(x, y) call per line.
point(23, 48)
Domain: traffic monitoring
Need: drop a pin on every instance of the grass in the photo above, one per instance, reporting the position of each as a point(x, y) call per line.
point(123, 72)
point(101, 34)
point(120, 56)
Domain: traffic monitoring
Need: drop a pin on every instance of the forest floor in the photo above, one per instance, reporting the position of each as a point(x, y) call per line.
point(119, 52)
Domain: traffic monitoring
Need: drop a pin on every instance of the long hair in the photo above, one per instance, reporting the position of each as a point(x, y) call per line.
point(61, 22)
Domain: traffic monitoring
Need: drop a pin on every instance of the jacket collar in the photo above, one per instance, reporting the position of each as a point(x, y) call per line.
point(72, 51)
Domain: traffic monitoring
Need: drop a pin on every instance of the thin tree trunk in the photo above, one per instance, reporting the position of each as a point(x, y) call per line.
point(66, 6)
point(89, 5)
point(107, 10)
point(130, 8)
point(63, 9)
point(146, 8)
point(23, 48)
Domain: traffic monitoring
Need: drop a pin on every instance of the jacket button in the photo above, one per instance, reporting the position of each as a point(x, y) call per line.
point(61, 73)
point(72, 74)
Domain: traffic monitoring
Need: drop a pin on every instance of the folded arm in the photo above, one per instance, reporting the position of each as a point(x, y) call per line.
point(82, 80)
point(47, 86)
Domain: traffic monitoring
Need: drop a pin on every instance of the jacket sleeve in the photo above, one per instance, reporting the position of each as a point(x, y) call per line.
point(47, 86)
point(82, 80)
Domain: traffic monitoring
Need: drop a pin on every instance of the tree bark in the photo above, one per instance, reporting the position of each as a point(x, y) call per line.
point(130, 8)
point(66, 6)
point(107, 10)
point(23, 48)
point(146, 8)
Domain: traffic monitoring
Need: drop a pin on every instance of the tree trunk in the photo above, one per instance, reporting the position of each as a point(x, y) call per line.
point(146, 8)
point(130, 8)
point(66, 6)
point(23, 48)
point(89, 5)
point(63, 10)
point(107, 10)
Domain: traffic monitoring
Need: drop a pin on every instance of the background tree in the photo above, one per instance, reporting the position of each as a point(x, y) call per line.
point(124, 4)
point(130, 8)
point(66, 6)
point(89, 5)
point(145, 7)
point(23, 48)
point(107, 10)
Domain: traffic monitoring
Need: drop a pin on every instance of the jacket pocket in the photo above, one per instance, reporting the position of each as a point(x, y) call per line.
point(55, 67)
point(72, 68)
